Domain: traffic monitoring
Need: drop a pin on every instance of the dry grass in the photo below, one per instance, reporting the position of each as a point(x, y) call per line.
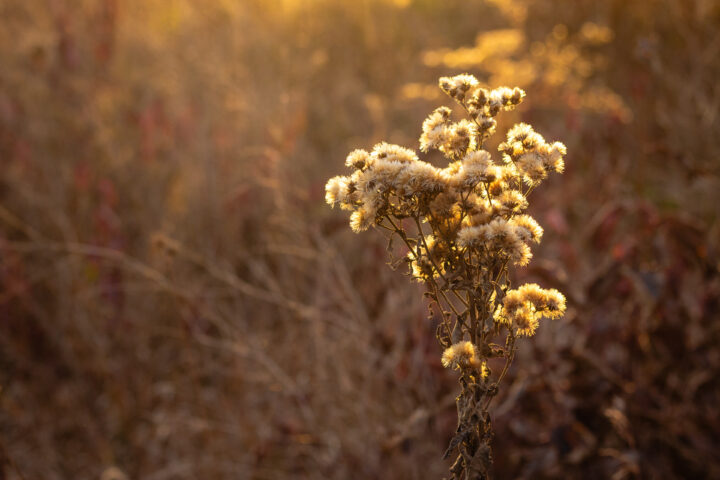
point(177, 302)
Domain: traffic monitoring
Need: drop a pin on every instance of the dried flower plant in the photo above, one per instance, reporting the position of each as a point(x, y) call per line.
point(463, 226)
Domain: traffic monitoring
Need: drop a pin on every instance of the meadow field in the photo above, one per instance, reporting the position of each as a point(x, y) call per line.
point(178, 301)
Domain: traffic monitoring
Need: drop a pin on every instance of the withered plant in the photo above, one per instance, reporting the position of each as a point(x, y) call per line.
point(463, 226)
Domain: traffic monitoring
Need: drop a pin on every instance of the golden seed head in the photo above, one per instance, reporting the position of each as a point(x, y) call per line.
point(358, 159)
point(460, 355)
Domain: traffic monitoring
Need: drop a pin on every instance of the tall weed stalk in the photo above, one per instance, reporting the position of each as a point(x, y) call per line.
point(463, 227)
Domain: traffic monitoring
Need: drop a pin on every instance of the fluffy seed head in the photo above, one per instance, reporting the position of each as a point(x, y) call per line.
point(461, 355)
point(361, 219)
point(390, 152)
point(358, 159)
point(527, 228)
point(336, 190)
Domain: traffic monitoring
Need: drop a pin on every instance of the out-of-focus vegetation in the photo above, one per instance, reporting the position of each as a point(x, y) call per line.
point(176, 301)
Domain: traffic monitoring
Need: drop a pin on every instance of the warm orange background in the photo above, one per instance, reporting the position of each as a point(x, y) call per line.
point(177, 301)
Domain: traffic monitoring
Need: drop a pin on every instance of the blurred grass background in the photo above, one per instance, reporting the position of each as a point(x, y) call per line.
point(177, 301)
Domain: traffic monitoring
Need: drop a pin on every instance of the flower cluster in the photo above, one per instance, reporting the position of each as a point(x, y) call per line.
point(523, 307)
point(473, 206)
point(533, 157)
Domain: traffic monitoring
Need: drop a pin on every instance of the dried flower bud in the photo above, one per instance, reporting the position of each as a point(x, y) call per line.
point(461, 355)
point(358, 159)
point(336, 190)
point(527, 228)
